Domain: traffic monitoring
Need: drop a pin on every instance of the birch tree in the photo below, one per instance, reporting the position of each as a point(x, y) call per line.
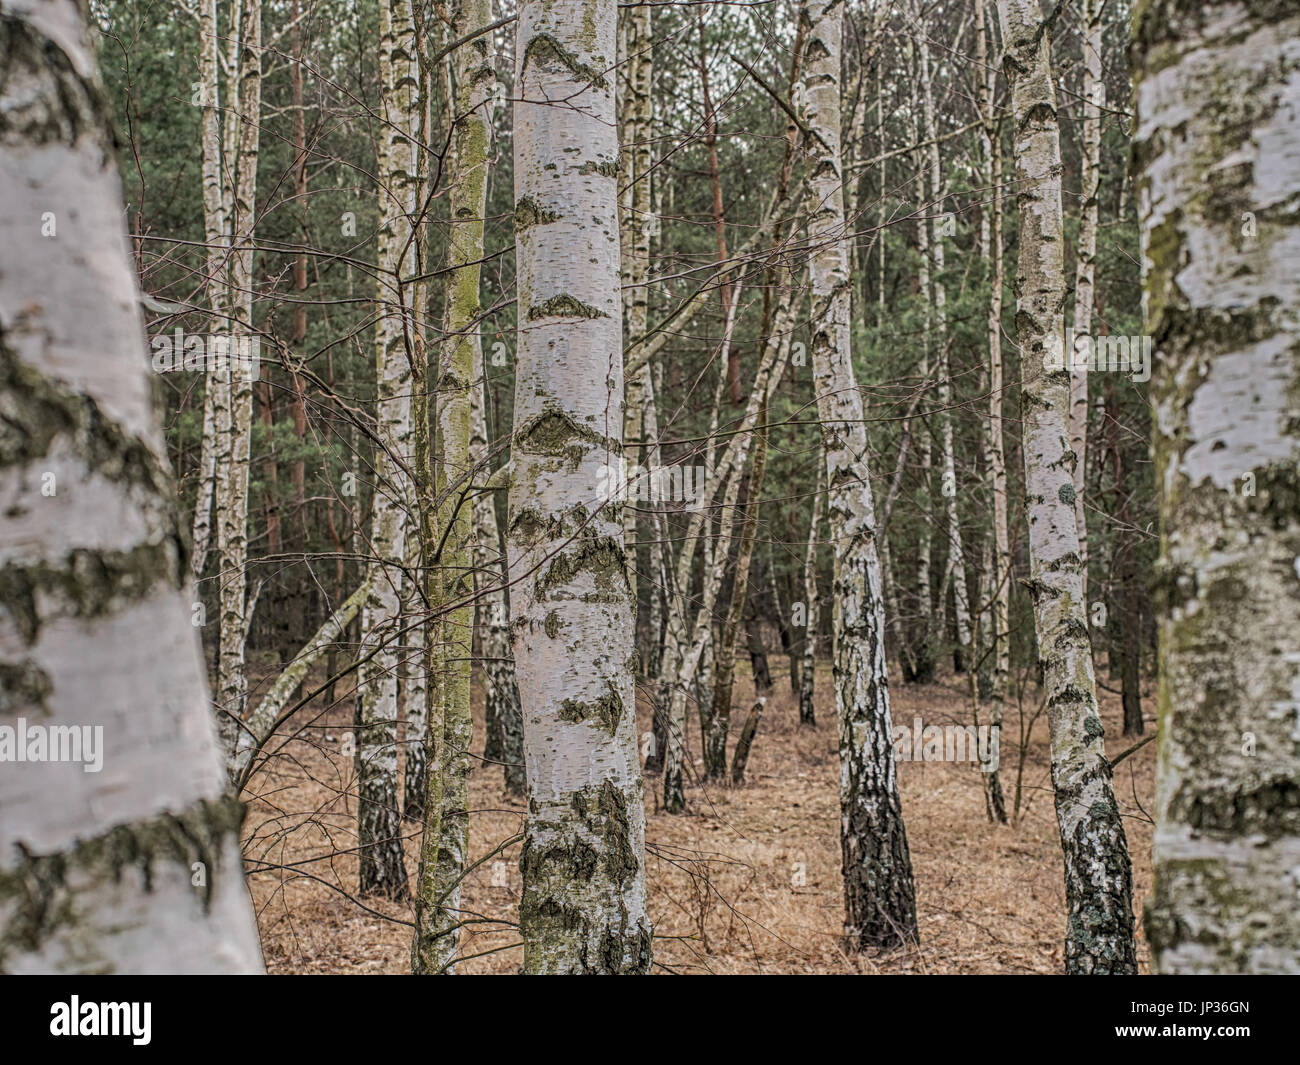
point(583, 862)
point(1098, 877)
point(97, 869)
point(500, 688)
point(474, 79)
point(1094, 99)
point(879, 896)
point(382, 871)
point(995, 448)
point(233, 417)
point(812, 607)
point(1218, 94)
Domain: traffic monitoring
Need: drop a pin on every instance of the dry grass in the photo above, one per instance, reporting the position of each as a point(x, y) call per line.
point(726, 894)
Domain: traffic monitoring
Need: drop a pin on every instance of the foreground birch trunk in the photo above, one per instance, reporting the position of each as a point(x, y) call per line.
point(98, 870)
point(1098, 877)
point(382, 870)
point(879, 897)
point(583, 861)
point(1220, 244)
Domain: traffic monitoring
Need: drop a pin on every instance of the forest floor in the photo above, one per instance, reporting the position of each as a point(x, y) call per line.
point(747, 881)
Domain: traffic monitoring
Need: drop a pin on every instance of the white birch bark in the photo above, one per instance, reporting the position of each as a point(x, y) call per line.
point(382, 871)
point(995, 444)
point(233, 415)
point(583, 862)
point(97, 869)
point(638, 227)
point(879, 896)
point(1098, 877)
point(1218, 153)
point(217, 281)
point(1094, 99)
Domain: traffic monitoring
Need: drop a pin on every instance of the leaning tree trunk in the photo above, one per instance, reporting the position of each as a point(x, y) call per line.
point(584, 899)
point(382, 870)
point(879, 896)
point(1220, 245)
point(1098, 877)
point(135, 869)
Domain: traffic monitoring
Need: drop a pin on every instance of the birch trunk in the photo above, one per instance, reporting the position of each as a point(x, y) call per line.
point(812, 607)
point(1218, 94)
point(382, 870)
point(500, 689)
point(995, 447)
point(97, 869)
point(639, 225)
point(922, 656)
point(1094, 99)
point(955, 568)
point(1098, 877)
point(879, 897)
point(583, 862)
point(467, 194)
point(233, 455)
point(217, 281)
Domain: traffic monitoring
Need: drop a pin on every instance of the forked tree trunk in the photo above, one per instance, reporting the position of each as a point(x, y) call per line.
point(584, 902)
point(1220, 238)
point(879, 896)
point(1098, 876)
point(134, 868)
